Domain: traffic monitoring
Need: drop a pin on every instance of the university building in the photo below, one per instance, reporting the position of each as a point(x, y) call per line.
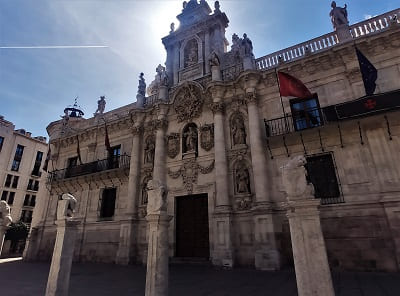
point(216, 126)
point(21, 177)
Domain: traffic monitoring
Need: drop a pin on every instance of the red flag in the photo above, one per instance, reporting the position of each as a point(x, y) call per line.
point(292, 87)
point(107, 139)
point(78, 150)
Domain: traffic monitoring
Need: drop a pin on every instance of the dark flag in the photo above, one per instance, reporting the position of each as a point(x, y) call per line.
point(292, 87)
point(46, 162)
point(107, 140)
point(368, 72)
point(78, 150)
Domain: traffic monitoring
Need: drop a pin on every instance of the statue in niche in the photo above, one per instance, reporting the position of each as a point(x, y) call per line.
point(149, 150)
point(144, 192)
point(247, 45)
point(191, 53)
point(242, 177)
point(142, 85)
point(101, 105)
point(338, 15)
point(238, 130)
point(190, 139)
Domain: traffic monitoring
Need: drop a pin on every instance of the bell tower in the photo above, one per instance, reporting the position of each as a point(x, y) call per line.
point(200, 33)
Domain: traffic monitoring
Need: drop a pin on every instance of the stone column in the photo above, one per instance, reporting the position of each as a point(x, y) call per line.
point(128, 232)
point(267, 256)
point(222, 254)
point(158, 257)
point(161, 124)
point(176, 65)
point(313, 275)
point(207, 51)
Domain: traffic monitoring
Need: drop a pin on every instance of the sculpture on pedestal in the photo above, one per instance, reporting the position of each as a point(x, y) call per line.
point(238, 130)
point(5, 216)
point(190, 139)
point(149, 150)
point(294, 177)
point(157, 197)
point(142, 85)
point(242, 178)
point(247, 45)
point(66, 210)
point(338, 15)
point(101, 105)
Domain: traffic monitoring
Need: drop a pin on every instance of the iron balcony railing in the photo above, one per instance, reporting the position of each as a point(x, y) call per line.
point(111, 163)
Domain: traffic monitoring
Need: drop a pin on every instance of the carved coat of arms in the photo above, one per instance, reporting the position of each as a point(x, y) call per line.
point(173, 143)
point(188, 103)
point(207, 137)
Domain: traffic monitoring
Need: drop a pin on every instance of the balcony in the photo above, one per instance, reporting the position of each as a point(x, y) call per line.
point(315, 117)
point(114, 163)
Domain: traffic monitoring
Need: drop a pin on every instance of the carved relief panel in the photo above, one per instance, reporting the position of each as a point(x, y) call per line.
point(191, 54)
point(207, 137)
point(173, 143)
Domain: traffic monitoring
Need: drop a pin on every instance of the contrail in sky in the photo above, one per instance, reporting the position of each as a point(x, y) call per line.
point(55, 46)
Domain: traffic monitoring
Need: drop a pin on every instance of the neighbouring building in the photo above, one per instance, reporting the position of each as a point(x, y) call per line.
point(21, 176)
point(214, 129)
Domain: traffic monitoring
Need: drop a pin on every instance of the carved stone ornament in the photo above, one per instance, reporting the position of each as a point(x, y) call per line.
point(207, 137)
point(189, 172)
point(218, 107)
point(173, 144)
point(188, 103)
point(243, 203)
point(251, 97)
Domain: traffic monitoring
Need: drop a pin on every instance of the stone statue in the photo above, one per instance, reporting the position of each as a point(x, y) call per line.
point(101, 105)
point(238, 131)
point(172, 27)
point(294, 177)
point(217, 7)
point(142, 85)
point(157, 197)
point(162, 76)
point(144, 193)
point(214, 60)
point(242, 179)
point(66, 206)
point(247, 45)
point(184, 4)
point(149, 151)
point(338, 15)
point(236, 42)
point(190, 139)
point(5, 214)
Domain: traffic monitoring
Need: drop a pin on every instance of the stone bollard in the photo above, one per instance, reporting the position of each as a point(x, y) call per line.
point(61, 262)
point(313, 275)
point(157, 257)
point(5, 221)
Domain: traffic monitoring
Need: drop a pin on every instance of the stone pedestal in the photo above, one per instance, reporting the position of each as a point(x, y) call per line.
point(140, 99)
point(163, 93)
point(60, 269)
point(343, 33)
point(3, 230)
point(249, 63)
point(313, 275)
point(216, 73)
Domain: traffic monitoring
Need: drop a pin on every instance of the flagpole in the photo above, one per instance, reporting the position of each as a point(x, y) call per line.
point(280, 96)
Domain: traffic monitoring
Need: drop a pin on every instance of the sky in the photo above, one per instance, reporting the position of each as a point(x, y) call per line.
point(36, 84)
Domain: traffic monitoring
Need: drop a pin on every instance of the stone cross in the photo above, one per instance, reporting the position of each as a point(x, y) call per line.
point(60, 269)
point(313, 275)
point(5, 221)
point(158, 257)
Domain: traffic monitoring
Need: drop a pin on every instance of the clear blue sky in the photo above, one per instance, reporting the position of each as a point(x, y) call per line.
point(37, 84)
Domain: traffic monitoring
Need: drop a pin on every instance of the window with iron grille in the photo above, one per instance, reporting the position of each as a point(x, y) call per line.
point(38, 162)
point(17, 158)
point(1, 143)
point(30, 184)
point(322, 174)
point(113, 157)
point(306, 113)
point(26, 200)
point(107, 206)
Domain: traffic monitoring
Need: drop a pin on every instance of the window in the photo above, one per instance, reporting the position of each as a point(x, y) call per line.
point(38, 162)
point(26, 216)
point(306, 113)
point(73, 161)
point(15, 182)
point(4, 195)
point(26, 200)
point(8, 180)
point(36, 186)
point(322, 174)
point(33, 201)
point(1, 143)
point(17, 158)
point(113, 159)
point(30, 184)
point(107, 207)
point(11, 198)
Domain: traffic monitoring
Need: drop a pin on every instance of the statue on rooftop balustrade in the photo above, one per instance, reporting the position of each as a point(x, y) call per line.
point(101, 105)
point(142, 85)
point(247, 45)
point(338, 15)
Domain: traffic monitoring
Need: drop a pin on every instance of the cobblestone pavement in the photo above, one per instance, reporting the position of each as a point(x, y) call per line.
point(18, 278)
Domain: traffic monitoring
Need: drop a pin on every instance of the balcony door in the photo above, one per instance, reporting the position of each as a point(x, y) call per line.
point(306, 113)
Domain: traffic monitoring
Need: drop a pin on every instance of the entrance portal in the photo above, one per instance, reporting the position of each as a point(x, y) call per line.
point(192, 226)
